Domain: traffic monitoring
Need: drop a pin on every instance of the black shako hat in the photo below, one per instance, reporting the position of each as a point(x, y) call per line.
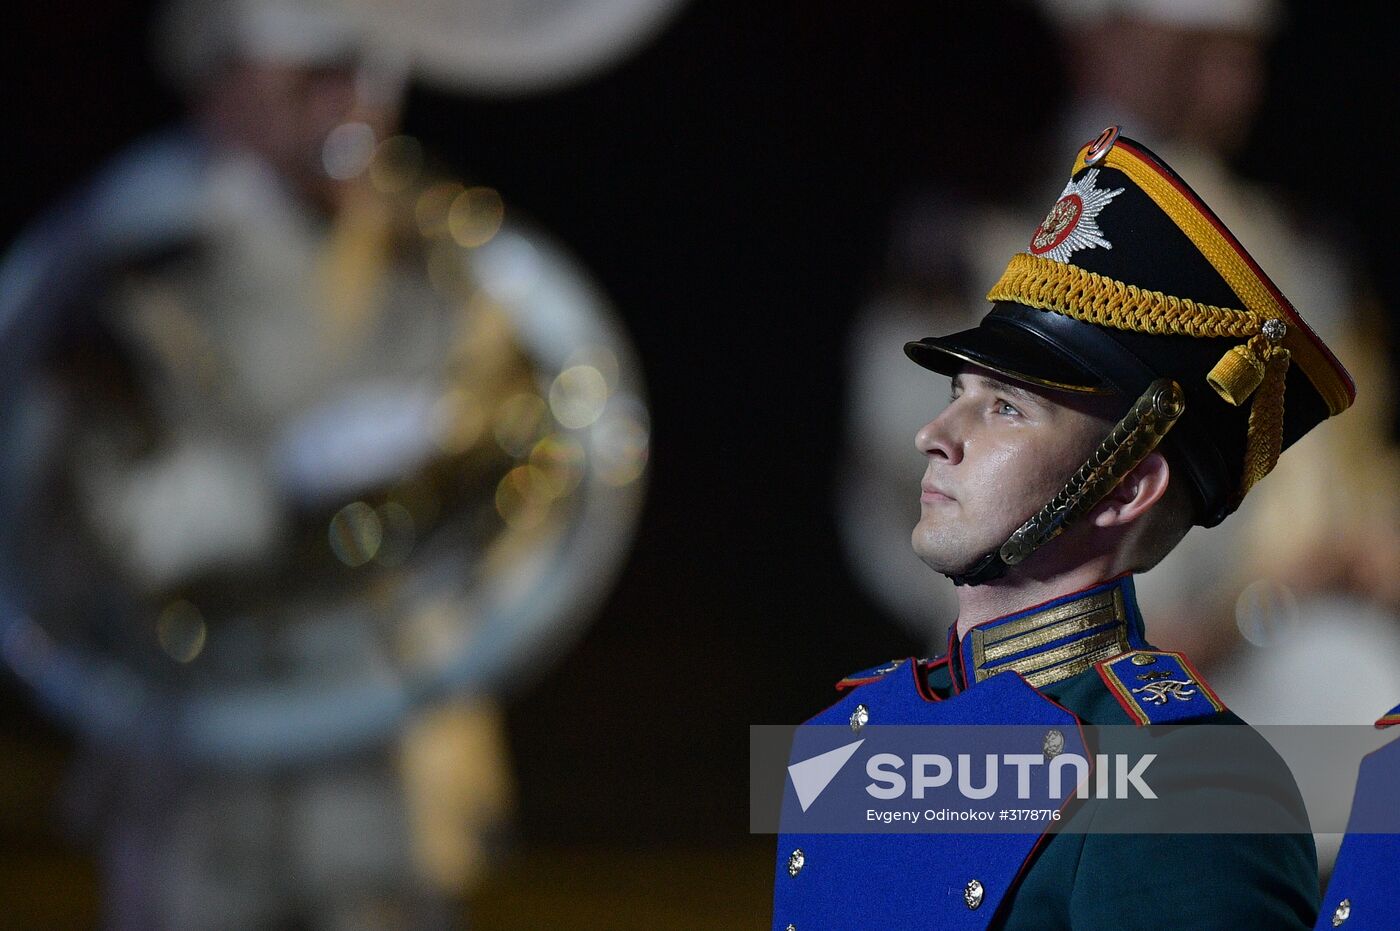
point(1131, 278)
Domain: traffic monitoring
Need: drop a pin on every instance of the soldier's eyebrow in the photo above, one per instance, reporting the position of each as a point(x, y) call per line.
point(1001, 386)
point(1012, 388)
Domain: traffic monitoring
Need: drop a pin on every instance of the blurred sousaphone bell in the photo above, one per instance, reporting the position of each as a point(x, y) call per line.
point(268, 491)
point(506, 47)
point(489, 47)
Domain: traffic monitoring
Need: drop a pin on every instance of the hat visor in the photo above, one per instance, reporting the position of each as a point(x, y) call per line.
point(1008, 350)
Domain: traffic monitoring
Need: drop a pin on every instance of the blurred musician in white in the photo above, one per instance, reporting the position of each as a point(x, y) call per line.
point(312, 454)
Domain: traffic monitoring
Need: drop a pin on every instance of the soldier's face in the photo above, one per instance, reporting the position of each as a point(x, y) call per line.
point(995, 456)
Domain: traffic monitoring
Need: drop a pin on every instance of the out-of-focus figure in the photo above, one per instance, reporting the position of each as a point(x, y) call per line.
point(310, 451)
point(1287, 606)
point(1359, 890)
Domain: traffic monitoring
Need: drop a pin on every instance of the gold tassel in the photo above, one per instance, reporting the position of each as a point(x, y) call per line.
point(1239, 372)
point(1236, 375)
point(1264, 441)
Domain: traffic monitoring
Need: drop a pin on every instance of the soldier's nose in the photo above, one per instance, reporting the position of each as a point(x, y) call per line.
point(936, 440)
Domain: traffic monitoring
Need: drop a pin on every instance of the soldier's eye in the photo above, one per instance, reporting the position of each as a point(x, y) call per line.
point(1006, 408)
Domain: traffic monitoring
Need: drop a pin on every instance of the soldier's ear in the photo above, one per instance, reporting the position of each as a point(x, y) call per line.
point(1140, 489)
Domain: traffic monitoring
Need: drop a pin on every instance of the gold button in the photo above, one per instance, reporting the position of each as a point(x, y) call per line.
point(1143, 659)
point(1342, 913)
point(796, 860)
point(972, 894)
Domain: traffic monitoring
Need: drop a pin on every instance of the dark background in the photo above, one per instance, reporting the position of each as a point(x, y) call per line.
point(730, 187)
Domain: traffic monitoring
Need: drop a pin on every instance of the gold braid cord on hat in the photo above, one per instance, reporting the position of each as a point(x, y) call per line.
point(1256, 367)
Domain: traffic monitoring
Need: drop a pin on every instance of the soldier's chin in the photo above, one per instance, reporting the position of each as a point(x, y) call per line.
point(950, 567)
point(945, 559)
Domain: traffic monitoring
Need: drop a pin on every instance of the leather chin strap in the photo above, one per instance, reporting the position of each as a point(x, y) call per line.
point(1126, 445)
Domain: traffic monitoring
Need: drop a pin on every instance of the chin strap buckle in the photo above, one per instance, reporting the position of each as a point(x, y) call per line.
point(989, 567)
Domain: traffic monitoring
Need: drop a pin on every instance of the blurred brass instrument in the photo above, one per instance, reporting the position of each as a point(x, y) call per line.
point(267, 491)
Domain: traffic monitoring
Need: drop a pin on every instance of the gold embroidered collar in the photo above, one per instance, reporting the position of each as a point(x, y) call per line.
point(1056, 640)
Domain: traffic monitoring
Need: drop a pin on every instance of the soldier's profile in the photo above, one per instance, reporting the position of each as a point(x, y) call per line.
point(1137, 374)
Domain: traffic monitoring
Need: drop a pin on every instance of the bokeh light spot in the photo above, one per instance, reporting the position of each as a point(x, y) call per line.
point(356, 533)
point(347, 150)
point(1266, 612)
point(600, 357)
point(577, 396)
point(475, 216)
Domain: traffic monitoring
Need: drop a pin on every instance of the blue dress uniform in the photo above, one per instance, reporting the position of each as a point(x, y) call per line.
point(1361, 895)
point(1130, 288)
point(1071, 662)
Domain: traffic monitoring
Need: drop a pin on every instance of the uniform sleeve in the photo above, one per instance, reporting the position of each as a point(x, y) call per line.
point(1203, 881)
point(1197, 881)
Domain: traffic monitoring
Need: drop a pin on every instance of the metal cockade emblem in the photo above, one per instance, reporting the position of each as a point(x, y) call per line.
point(1072, 225)
point(1065, 212)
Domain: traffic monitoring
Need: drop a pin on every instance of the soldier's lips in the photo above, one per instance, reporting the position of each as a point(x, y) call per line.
point(932, 495)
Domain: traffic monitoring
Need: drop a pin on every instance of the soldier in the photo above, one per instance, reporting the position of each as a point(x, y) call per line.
point(1138, 373)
